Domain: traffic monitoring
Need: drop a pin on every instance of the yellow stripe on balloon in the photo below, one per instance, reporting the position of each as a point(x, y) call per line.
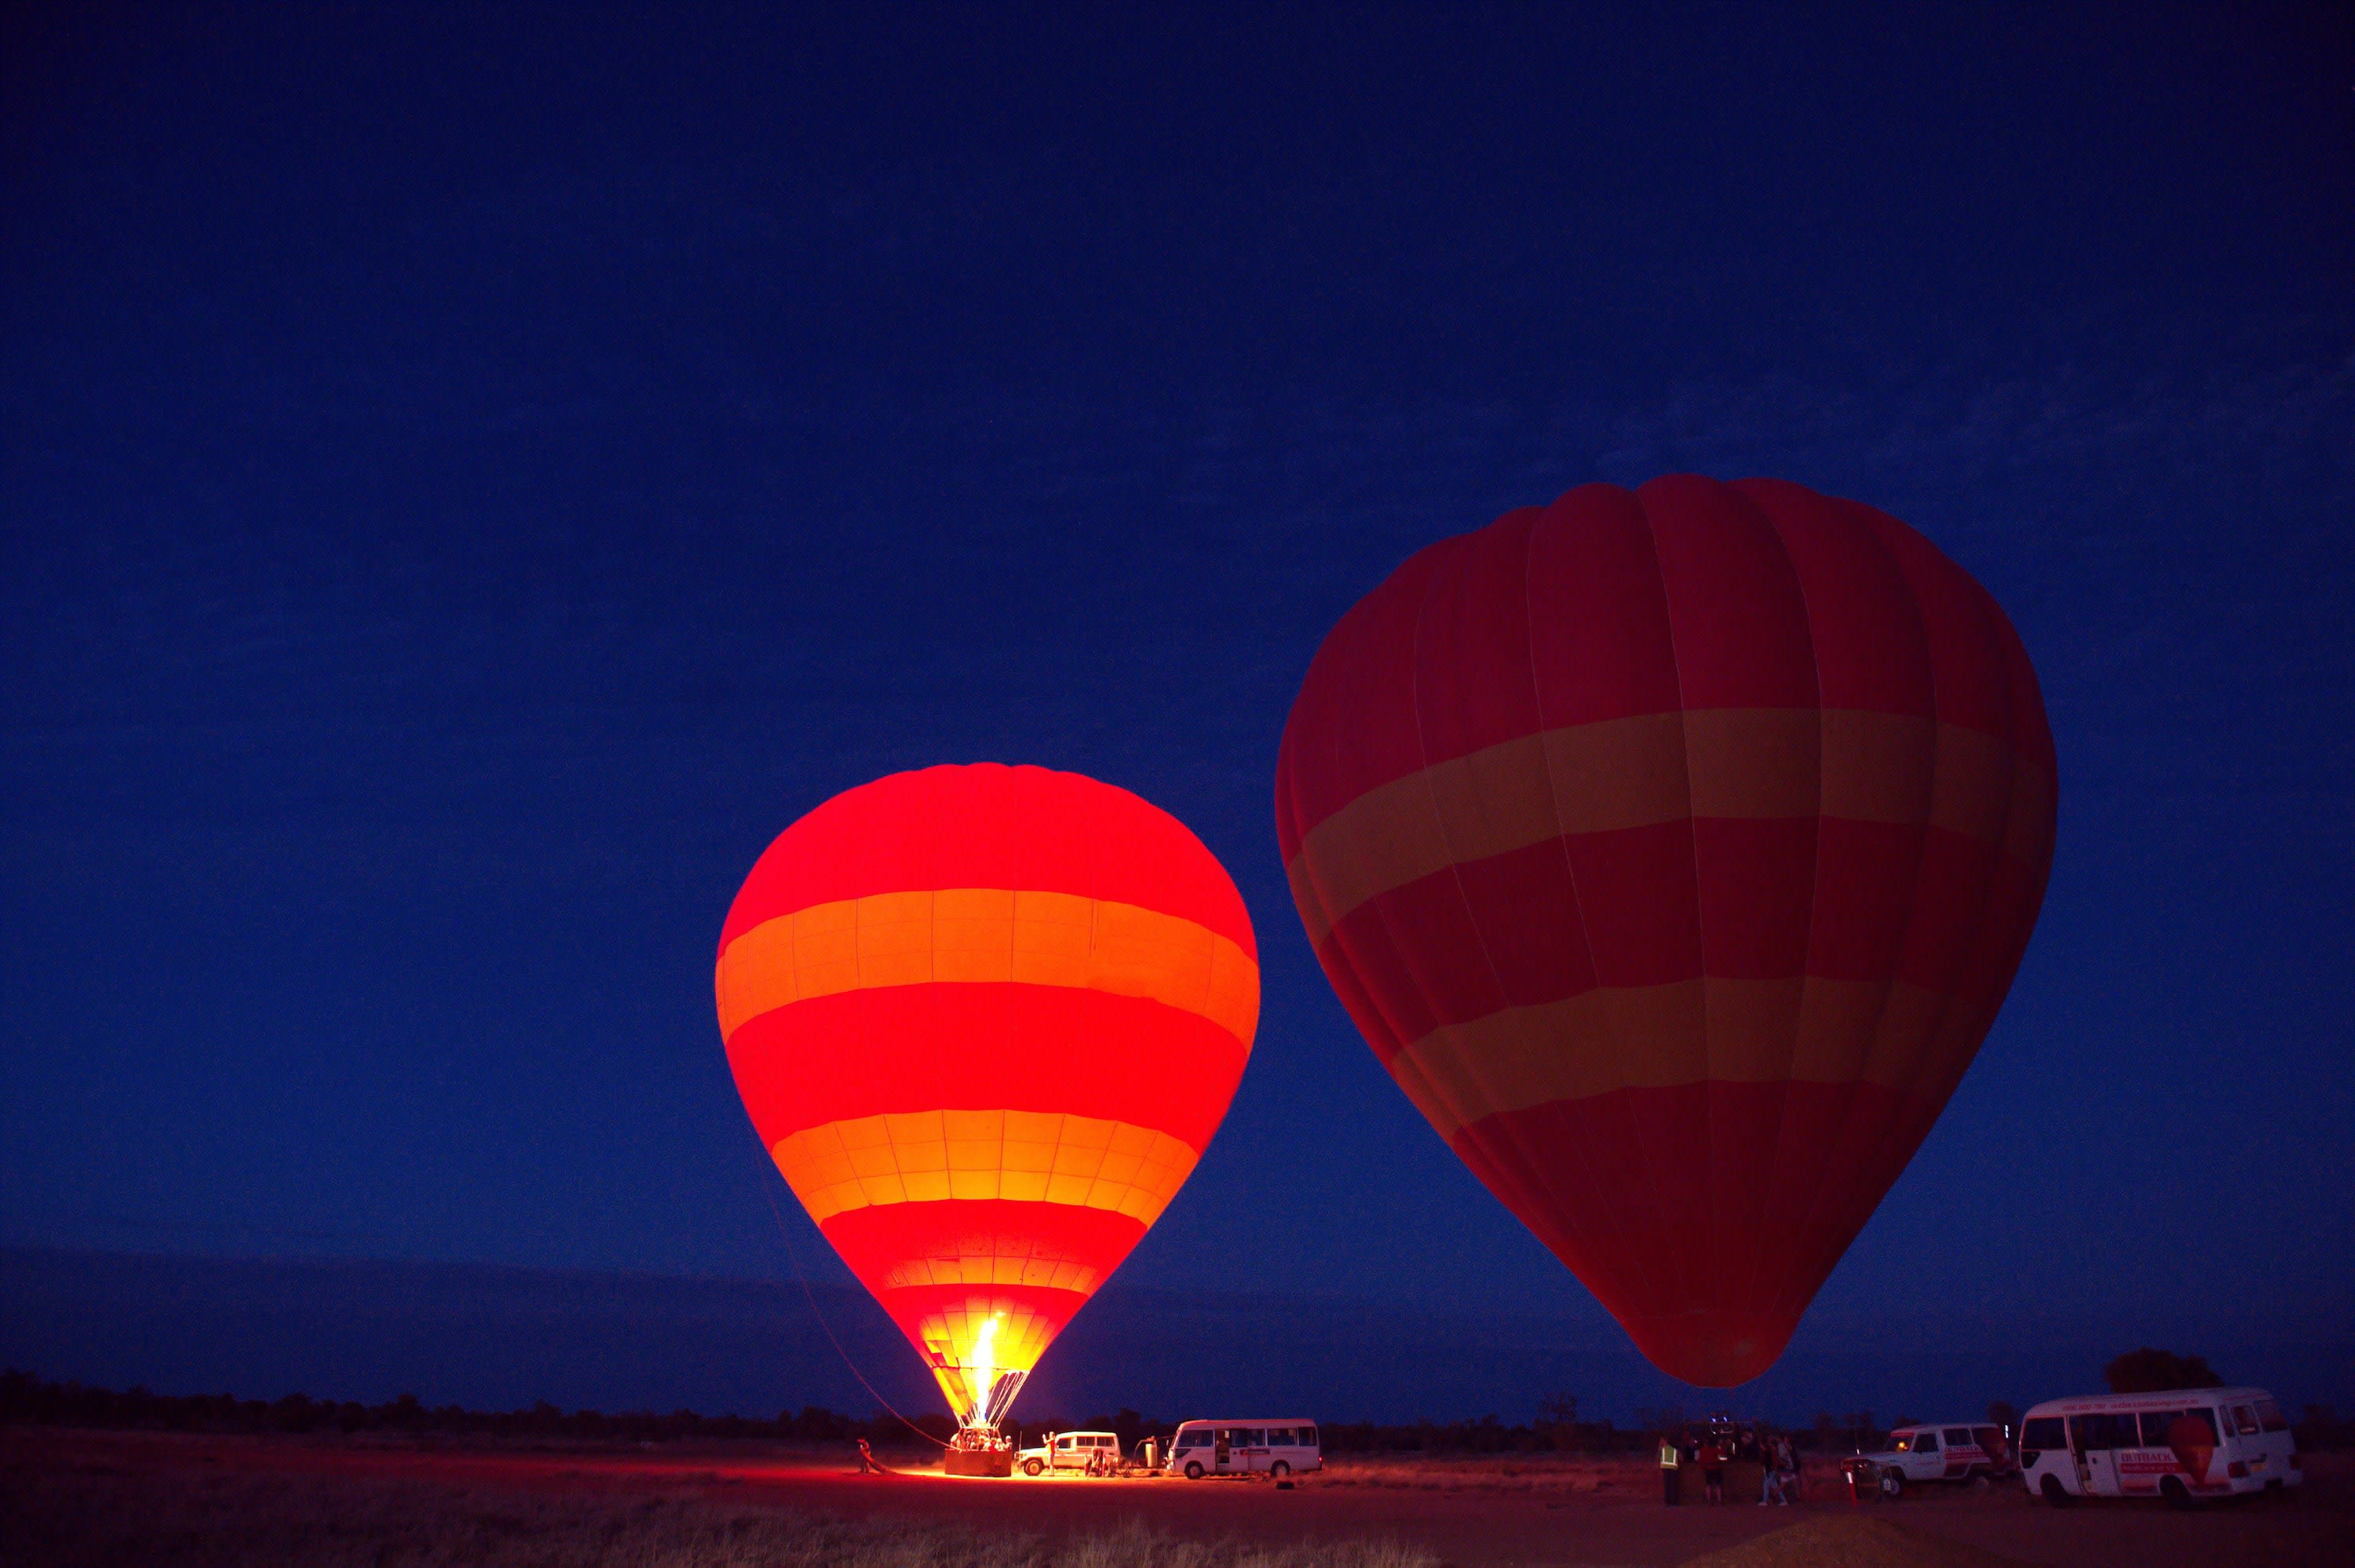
point(1659, 768)
point(1017, 1156)
point(1803, 1029)
point(977, 934)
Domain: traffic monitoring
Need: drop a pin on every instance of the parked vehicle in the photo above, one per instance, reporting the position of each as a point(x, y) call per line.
point(1096, 1452)
point(1972, 1455)
point(1277, 1448)
point(2182, 1445)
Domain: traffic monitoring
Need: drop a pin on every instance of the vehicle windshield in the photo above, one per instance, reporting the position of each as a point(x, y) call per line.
point(1901, 1442)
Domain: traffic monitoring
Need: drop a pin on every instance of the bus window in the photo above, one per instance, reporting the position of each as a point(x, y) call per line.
point(2098, 1431)
point(2270, 1416)
point(1308, 1436)
point(1251, 1438)
point(2155, 1423)
point(2244, 1420)
point(2040, 1433)
point(1279, 1437)
point(1193, 1438)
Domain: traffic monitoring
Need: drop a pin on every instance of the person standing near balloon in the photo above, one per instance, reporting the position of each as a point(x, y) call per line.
point(1671, 1470)
point(1778, 1467)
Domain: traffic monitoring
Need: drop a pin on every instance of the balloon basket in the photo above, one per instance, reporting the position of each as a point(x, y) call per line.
point(994, 1462)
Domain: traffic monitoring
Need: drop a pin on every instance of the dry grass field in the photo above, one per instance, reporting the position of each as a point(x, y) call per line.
point(1612, 1477)
point(73, 1515)
point(78, 1498)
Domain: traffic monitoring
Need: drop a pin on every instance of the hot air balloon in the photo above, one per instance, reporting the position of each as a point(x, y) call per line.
point(985, 1020)
point(1673, 850)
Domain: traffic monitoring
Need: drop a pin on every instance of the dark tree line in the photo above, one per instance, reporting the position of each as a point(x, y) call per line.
point(27, 1401)
point(1555, 1433)
point(2148, 1371)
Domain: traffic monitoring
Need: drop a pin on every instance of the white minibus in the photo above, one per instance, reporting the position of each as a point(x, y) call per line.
point(1277, 1448)
point(2183, 1445)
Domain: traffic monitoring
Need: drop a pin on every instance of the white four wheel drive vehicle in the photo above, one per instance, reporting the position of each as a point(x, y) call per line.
point(1277, 1448)
point(2182, 1445)
point(1916, 1456)
point(1098, 1451)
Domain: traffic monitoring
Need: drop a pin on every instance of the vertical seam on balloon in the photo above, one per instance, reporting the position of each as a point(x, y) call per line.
point(1814, 875)
point(1638, 1261)
point(1439, 819)
point(1013, 955)
point(1380, 917)
point(1984, 604)
point(1095, 918)
point(1287, 817)
point(1692, 838)
point(1331, 739)
point(1509, 1135)
point(1854, 1085)
point(1990, 615)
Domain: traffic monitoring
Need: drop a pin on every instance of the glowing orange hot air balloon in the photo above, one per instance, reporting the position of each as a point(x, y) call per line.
point(1673, 850)
point(985, 1020)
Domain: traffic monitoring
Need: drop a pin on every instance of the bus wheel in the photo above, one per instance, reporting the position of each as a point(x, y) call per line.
point(1033, 1466)
point(2055, 1493)
point(1193, 1469)
point(2177, 1494)
point(1279, 1469)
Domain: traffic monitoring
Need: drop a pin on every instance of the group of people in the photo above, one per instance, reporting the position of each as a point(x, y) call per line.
point(1720, 1447)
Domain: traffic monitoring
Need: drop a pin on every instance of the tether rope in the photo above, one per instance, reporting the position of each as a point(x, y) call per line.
point(810, 1295)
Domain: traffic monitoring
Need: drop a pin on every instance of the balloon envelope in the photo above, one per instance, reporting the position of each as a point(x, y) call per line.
point(1674, 850)
point(985, 1020)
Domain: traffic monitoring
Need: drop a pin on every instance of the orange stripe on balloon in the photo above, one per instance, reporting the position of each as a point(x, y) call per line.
point(979, 1155)
point(1711, 1030)
point(973, 934)
point(1730, 763)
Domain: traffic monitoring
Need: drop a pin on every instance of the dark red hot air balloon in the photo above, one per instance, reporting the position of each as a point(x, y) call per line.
point(1674, 850)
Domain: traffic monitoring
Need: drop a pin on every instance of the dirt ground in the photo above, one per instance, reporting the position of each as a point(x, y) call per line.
point(1465, 1511)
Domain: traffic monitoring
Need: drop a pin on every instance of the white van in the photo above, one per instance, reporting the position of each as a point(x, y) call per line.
point(1096, 1452)
point(2182, 1444)
point(1276, 1448)
point(1970, 1456)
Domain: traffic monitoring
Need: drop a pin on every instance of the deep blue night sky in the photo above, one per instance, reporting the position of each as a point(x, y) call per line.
point(468, 483)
